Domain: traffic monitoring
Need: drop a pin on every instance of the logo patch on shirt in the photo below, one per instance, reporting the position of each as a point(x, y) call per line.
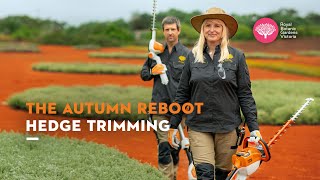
point(229, 58)
point(182, 59)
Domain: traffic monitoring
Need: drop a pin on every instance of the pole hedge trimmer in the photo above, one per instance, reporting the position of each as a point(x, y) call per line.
point(156, 48)
point(248, 160)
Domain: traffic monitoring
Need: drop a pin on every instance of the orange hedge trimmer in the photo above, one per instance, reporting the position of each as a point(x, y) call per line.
point(248, 160)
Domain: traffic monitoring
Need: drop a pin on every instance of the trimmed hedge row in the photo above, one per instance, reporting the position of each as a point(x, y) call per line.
point(276, 101)
point(262, 55)
point(300, 69)
point(118, 55)
point(18, 47)
point(96, 68)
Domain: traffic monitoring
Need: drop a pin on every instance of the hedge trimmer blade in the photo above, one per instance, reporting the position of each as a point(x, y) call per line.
point(295, 116)
point(154, 10)
point(289, 122)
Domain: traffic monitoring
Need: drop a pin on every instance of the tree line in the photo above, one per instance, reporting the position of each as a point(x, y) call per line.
point(136, 31)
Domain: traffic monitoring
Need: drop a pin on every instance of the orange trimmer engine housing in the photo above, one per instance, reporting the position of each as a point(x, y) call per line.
point(246, 157)
point(263, 149)
point(248, 160)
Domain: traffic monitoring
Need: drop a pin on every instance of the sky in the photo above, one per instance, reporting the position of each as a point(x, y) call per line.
point(75, 12)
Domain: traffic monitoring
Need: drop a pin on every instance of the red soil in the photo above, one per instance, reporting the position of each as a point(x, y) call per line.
point(289, 156)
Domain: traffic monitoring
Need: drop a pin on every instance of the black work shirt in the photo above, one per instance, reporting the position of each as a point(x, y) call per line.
point(174, 62)
point(222, 98)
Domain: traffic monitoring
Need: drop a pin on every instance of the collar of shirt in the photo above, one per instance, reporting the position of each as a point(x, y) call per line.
point(216, 51)
point(177, 47)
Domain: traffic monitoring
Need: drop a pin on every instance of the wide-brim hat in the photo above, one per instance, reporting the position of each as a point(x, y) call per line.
point(216, 13)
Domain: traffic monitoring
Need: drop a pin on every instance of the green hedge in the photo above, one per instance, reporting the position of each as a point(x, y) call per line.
point(64, 158)
point(309, 53)
point(18, 47)
point(118, 55)
point(262, 55)
point(88, 46)
point(136, 48)
point(96, 68)
point(299, 69)
point(107, 94)
point(277, 101)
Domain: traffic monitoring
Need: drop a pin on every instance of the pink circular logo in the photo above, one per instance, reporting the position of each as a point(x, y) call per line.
point(265, 30)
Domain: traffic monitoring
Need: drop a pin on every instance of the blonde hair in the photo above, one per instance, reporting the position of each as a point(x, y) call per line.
point(198, 48)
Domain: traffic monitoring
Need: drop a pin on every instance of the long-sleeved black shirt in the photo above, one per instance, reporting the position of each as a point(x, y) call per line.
point(174, 62)
point(222, 98)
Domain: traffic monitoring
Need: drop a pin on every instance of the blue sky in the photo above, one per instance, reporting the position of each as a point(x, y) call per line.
point(75, 12)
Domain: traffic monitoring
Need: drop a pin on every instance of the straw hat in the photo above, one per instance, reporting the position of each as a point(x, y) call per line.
point(215, 13)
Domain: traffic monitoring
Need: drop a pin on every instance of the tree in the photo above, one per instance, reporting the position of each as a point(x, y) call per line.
point(140, 21)
point(313, 18)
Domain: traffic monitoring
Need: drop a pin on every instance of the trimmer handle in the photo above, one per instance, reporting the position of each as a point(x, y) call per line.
point(163, 77)
point(266, 150)
point(155, 47)
point(262, 147)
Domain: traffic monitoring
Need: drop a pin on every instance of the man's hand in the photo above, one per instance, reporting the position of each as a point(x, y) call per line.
point(173, 139)
point(158, 69)
point(255, 136)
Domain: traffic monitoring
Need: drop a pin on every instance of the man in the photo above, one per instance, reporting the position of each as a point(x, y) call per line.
point(173, 59)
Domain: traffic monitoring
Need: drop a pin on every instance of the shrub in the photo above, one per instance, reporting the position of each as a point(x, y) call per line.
point(96, 68)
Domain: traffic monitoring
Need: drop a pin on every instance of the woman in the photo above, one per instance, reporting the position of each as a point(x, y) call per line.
point(217, 75)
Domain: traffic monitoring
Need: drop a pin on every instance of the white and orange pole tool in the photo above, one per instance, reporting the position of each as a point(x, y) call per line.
point(155, 47)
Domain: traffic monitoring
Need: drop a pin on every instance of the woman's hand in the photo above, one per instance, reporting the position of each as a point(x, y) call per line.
point(255, 136)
